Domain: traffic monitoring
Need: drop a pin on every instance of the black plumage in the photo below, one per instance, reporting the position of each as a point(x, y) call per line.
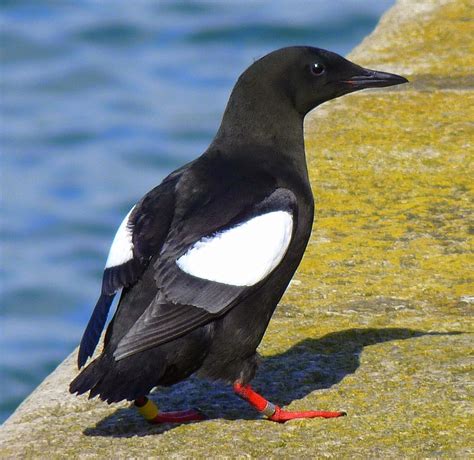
point(170, 324)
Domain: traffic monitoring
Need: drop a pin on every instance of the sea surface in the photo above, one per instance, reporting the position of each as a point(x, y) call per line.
point(99, 100)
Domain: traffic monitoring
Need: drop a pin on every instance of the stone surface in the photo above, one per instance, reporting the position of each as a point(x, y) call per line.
point(377, 320)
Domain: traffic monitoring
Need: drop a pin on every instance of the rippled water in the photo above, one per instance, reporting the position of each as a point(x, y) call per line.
point(99, 100)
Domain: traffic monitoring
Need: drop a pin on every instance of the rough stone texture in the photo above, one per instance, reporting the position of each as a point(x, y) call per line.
point(377, 320)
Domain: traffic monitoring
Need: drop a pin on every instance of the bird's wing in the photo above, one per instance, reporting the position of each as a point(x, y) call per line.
point(201, 275)
point(139, 237)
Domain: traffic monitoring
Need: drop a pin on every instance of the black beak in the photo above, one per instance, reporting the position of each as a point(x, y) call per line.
point(373, 79)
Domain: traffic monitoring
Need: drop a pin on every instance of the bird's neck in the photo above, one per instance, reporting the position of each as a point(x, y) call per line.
point(266, 120)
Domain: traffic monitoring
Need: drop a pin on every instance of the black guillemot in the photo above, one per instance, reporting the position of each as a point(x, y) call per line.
point(203, 259)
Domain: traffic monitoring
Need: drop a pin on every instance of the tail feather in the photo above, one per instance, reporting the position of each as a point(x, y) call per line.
point(89, 378)
point(115, 381)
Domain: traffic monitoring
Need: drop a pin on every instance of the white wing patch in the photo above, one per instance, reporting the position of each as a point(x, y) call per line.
point(242, 255)
point(121, 250)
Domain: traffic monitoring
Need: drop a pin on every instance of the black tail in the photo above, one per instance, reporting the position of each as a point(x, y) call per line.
point(115, 381)
point(94, 328)
point(88, 378)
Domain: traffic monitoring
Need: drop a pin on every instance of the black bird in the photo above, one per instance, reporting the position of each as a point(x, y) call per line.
point(203, 259)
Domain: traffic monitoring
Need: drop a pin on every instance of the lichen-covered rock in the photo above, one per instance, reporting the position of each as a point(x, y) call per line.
point(377, 320)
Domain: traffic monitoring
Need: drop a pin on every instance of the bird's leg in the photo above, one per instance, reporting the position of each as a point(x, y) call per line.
point(150, 412)
point(273, 412)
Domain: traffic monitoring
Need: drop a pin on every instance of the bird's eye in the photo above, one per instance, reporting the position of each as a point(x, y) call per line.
point(317, 69)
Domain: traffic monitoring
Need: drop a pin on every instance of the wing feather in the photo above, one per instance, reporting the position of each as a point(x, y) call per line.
point(94, 328)
point(159, 324)
point(184, 301)
point(144, 229)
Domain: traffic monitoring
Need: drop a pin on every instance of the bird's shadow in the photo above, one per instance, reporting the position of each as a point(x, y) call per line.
point(309, 365)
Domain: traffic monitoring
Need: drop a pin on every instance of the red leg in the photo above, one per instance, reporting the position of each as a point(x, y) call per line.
point(273, 412)
point(150, 412)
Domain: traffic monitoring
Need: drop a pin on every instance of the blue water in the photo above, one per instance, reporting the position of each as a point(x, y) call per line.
point(99, 101)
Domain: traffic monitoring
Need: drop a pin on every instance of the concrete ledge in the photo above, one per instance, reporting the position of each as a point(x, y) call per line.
point(377, 320)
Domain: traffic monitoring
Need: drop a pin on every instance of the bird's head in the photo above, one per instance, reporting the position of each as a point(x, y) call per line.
point(310, 76)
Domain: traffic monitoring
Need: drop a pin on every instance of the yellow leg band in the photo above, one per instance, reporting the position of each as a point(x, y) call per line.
point(149, 410)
